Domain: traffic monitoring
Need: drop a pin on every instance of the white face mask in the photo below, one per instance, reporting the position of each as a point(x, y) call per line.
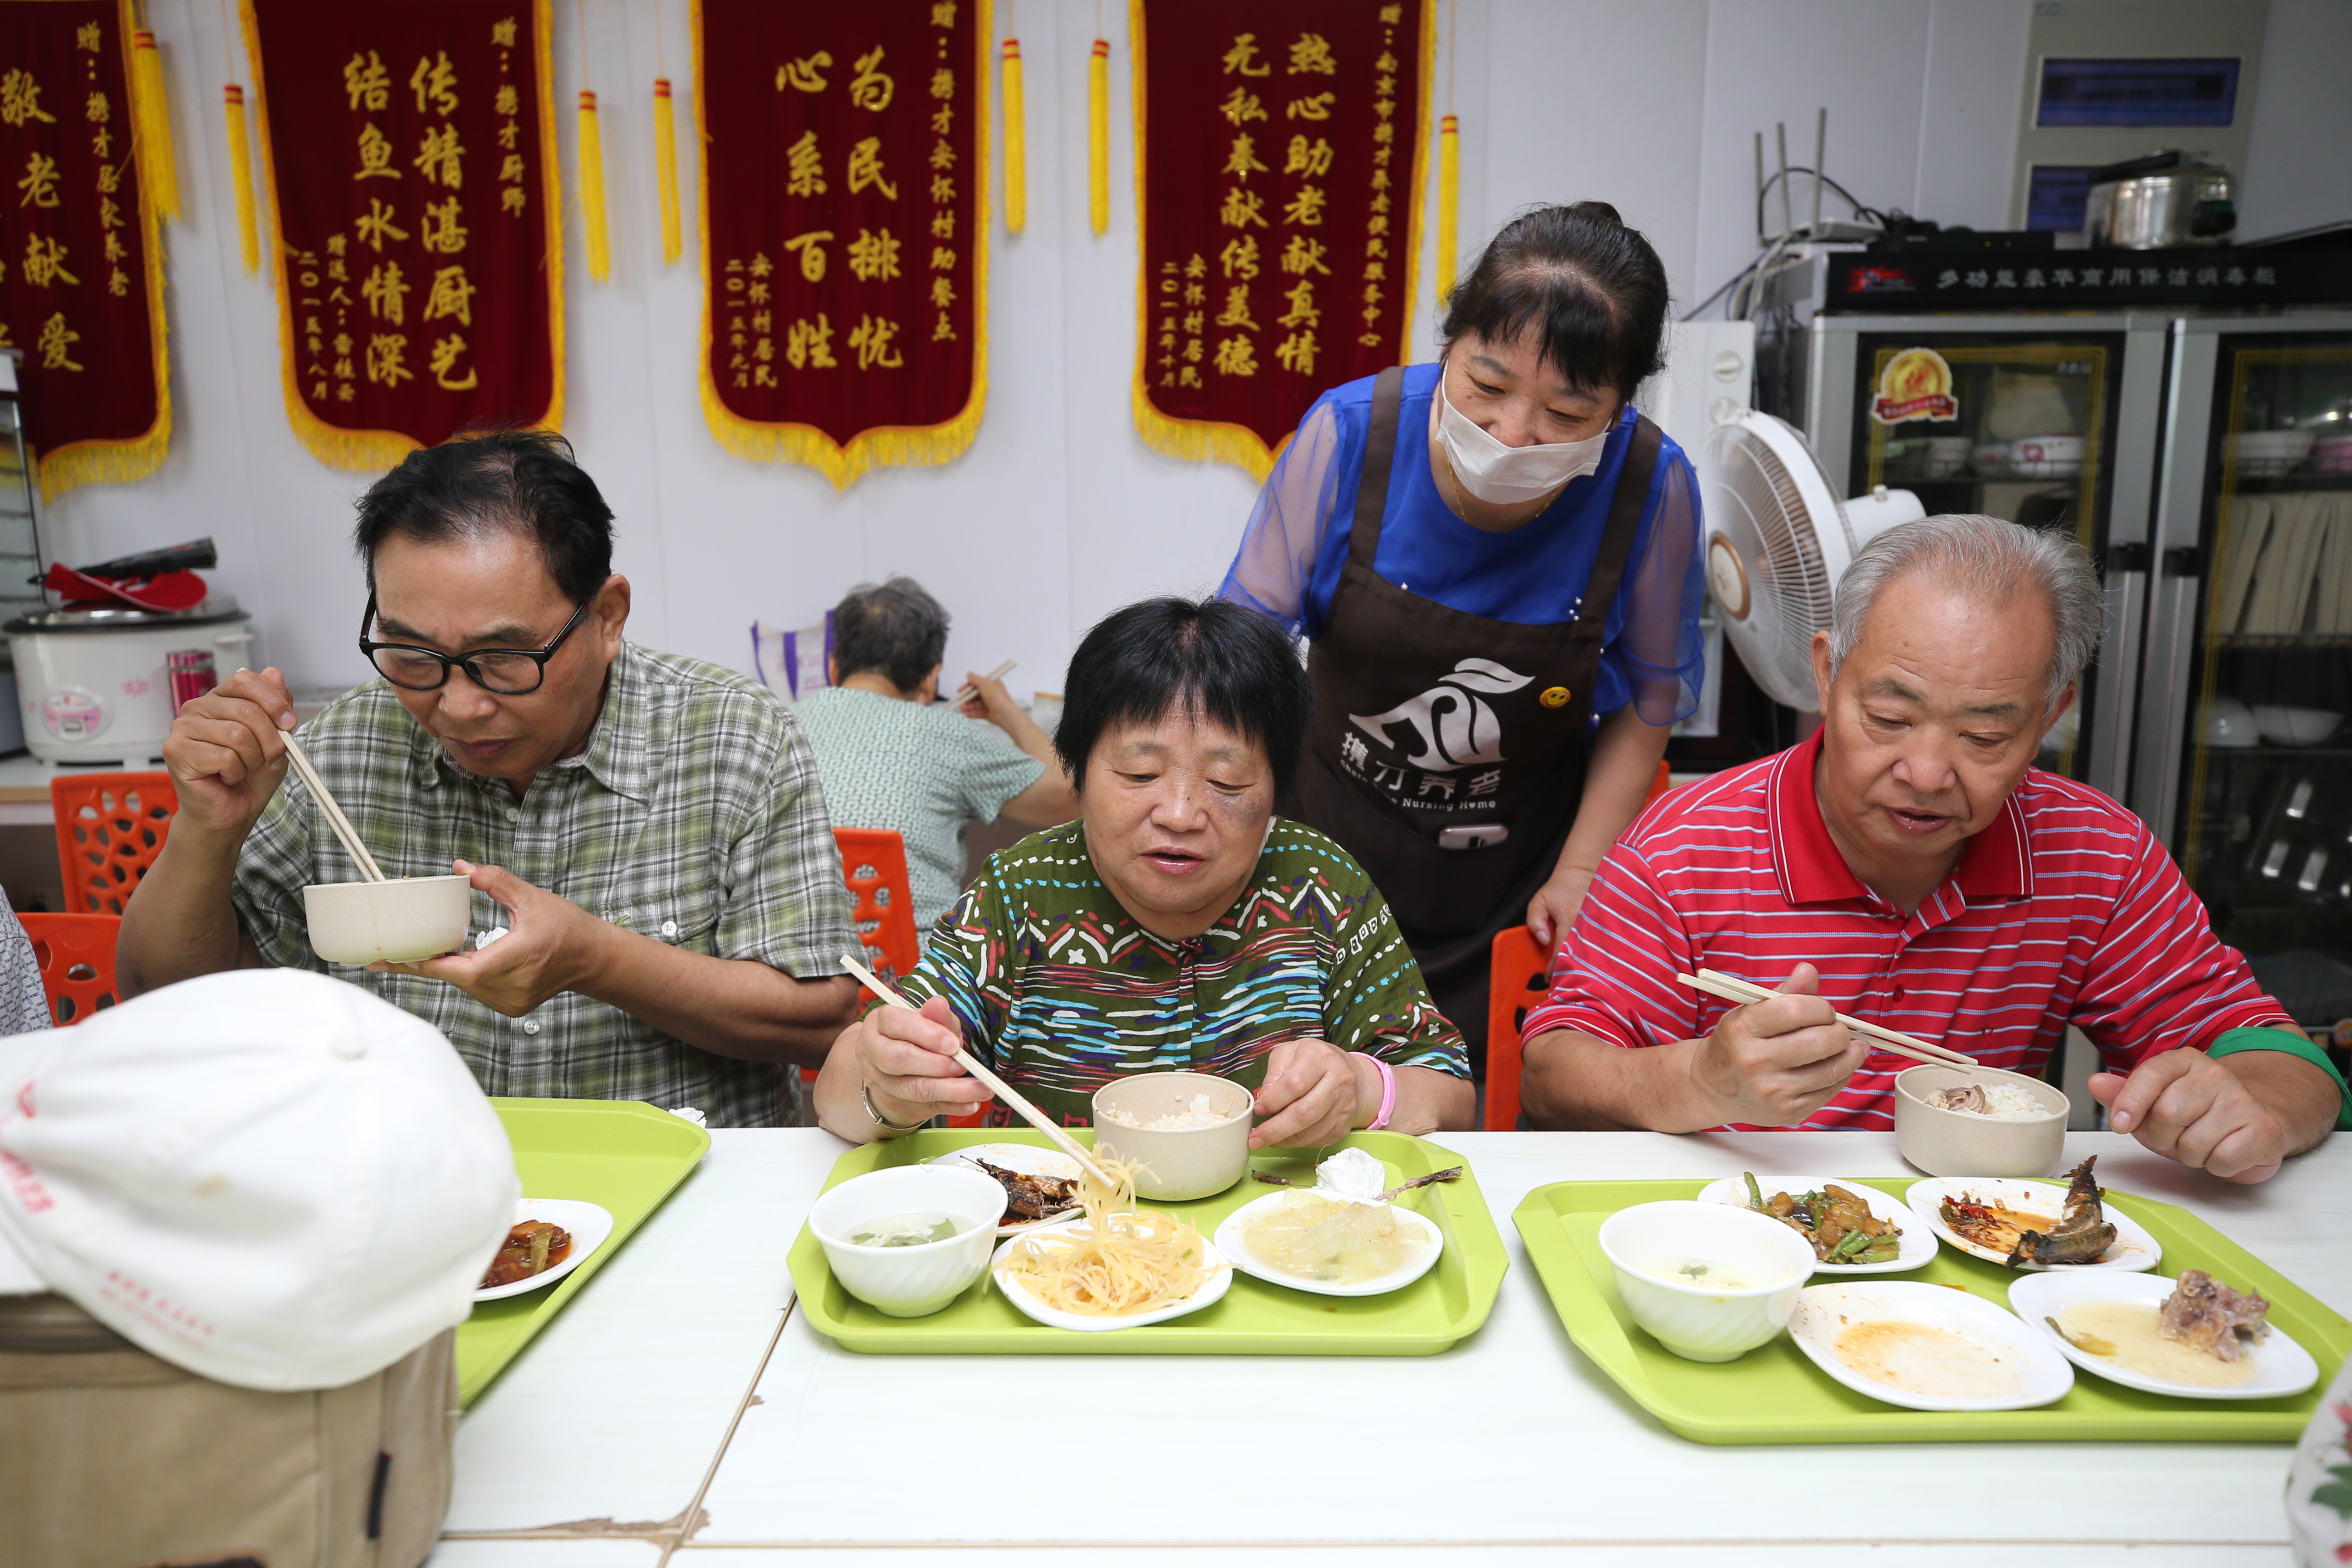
point(1506, 475)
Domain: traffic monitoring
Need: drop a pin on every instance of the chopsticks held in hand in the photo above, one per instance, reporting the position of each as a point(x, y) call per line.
point(966, 691)
point(334, 813)
point(1734, 990)
point(995, 1085)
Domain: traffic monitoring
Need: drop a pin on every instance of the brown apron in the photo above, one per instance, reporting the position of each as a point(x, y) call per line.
point(1447, 750)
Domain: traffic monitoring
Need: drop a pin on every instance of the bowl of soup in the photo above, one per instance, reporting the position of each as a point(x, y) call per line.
point(907, 1241)
point(1189, 1131)
point(398, 921)
point(1708, 1281)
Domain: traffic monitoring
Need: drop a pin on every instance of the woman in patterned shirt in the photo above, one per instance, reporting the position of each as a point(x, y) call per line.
point(1176, 925)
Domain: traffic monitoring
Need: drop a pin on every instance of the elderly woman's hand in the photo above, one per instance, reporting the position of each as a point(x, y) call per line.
point(906, 1063)
point(1313, 1095)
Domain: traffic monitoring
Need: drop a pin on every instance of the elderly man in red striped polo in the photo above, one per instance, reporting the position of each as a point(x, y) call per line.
point(1909, 864)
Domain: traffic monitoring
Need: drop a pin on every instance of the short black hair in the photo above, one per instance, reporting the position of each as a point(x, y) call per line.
point(1591, 289)
point(894, 627)
point(1236, 666)
point(515, 482)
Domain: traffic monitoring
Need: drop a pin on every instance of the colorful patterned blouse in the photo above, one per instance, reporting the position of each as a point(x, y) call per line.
point(1060, 991)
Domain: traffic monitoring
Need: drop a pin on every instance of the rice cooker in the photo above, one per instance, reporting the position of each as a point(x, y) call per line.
point(95, 682)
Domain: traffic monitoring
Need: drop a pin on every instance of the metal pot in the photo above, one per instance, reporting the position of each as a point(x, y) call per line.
point(2163, 200)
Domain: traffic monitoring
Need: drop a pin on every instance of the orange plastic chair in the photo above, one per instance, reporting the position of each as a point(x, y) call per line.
point(76, 959)
point(1519, 974)
point(873, 864)
point(110, 827)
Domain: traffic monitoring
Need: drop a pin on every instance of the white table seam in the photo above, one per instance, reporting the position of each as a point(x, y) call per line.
point(692, 1520)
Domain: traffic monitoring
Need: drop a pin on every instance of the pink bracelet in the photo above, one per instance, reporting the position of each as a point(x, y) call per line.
point(1388, 1092)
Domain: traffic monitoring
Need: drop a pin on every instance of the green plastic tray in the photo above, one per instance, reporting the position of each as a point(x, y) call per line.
point(1444, 1306)
point(621, 1153)
point(1773, 1395)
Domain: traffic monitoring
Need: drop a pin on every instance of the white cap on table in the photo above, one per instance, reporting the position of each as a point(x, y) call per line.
point(267, 1177)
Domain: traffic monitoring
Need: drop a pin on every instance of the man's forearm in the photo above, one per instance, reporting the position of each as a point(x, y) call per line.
point(729, 1007)
point(180, 922)
point(1571, 1082)
point(2304, 1099)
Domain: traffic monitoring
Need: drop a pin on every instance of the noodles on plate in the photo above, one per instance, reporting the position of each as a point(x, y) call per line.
point(1118, 1262)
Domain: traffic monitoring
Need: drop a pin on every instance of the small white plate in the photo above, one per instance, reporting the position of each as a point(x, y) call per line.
point(1916, 1245)
point(2133, 1248)
point(2282, 1367)
point(1826, 1311)
point(1211, 1290)
point(1236, 1248)
point(1021, 1159)
point(590, 1224)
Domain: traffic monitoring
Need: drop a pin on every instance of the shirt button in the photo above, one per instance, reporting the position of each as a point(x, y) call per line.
point(669, 928)
point(513, 815)
point(530, 1026)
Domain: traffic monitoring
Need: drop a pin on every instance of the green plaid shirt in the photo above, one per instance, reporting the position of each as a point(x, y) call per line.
point(694, 818)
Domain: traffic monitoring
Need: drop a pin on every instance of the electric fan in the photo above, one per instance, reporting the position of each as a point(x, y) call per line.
point(1778, 539)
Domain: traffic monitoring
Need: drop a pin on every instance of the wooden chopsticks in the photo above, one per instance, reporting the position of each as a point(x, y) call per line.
point(996, 1086)
point(1731, 989)
point(966, 691)
point(369, 871)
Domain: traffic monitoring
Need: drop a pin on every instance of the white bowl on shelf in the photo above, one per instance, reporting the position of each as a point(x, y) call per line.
point(2230, 724)
point(2295, 726)
point(2266, 454)
point(2046, 457)
point(1989, 459)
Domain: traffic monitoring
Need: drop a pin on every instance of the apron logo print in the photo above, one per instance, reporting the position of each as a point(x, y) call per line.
point(1452, 724)
point(1555, 697)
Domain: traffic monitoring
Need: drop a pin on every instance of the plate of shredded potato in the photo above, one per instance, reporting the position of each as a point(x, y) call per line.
point(1113, 1267)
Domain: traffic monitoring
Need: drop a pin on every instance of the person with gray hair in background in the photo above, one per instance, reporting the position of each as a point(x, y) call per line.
point(892, 755)
point(1907, 865)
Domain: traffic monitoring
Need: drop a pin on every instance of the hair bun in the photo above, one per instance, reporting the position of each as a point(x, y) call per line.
point(1598, 209)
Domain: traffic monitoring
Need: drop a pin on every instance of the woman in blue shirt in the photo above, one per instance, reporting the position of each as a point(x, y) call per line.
point(1494, 561)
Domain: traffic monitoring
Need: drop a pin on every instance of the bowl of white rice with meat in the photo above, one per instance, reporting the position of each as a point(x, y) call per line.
point(1189, 1130)
point(1978, 1122)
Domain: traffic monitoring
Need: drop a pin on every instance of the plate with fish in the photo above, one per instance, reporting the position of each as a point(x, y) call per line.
point(1041, 1185)
point(1854, 1228)
point(1927, 1347)
point(2192, 1338)
point(2029, 1224)
point(549, 1239)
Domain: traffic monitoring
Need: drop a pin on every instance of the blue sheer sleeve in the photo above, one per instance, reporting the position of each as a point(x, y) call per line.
point(1272, 570)
point(1657, 655)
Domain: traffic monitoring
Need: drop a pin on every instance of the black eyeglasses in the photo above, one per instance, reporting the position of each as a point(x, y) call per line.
point(508, 671)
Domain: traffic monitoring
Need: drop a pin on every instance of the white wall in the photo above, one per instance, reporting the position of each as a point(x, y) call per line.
point(1058, 512)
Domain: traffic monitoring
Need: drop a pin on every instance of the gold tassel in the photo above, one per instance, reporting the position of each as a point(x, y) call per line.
point(666, 169)
point(240, 176)
point(153, 117)
point(1449, 198)
point(1016, 144)
point(1098, 136)
point(592, 189)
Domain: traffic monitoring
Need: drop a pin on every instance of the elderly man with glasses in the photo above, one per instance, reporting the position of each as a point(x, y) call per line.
point(647, 829)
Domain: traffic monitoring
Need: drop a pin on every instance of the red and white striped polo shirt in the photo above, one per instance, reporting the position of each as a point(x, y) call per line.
point(2064, 910)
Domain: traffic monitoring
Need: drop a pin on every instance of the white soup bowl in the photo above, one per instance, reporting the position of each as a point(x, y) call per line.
point(1694, 1321)
point(397, 922)
point(910, 1282)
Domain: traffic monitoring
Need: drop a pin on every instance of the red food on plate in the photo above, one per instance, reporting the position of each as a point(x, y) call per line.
point(531, 1248)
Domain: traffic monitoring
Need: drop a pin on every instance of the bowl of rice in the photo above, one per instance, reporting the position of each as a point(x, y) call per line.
point(1980, 1122)
point(1189, 1130)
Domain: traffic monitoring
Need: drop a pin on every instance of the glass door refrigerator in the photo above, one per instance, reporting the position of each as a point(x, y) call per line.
point(2244, 764)
point(2047, 420)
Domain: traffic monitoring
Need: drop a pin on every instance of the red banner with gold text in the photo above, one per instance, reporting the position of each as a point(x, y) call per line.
point(411, 158)
point(844, 229)
point(1279, 147)
point(81, 278)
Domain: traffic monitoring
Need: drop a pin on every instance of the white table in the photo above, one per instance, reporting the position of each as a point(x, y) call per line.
point(681, 1411)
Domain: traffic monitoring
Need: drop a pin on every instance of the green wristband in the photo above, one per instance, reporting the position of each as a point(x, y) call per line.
point(2295, 1044)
